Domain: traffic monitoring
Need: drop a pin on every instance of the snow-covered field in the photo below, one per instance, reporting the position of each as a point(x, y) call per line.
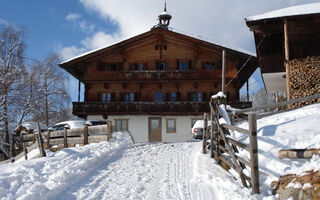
point(122, 170)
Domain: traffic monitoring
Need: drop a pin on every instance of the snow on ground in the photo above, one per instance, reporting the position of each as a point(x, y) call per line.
point(122, 170)
point(297, 129)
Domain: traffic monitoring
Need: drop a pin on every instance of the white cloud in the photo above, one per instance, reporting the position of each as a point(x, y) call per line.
point(85, 26)
point(221, 21)
point(100, 39)
point(73, 17)
point(71, 51)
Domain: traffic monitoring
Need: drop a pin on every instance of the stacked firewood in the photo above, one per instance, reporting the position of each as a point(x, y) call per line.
point(304, 79)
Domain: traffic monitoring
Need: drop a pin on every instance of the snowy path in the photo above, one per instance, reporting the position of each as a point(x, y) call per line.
point(156, 171)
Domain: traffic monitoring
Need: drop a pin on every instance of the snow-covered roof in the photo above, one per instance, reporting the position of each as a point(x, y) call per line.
point(32, 126)
point(305, 9)
point(199, 37)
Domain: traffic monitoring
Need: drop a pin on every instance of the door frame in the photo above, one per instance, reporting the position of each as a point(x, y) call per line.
point(149, 128)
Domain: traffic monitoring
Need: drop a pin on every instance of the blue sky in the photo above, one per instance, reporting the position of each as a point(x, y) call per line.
point(72, 27)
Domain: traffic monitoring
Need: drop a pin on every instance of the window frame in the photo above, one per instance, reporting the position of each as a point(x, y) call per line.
point(174, 123)
point(121, 124)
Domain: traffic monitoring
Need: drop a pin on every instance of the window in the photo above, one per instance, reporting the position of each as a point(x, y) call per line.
point(173, 96)
point(171, 125)
point(165, 47)
point(194, 97)
point(131, 97)
point(101, 66)
point(138, 66)
point(158, 97)
point(106, 97)
point(155, 124)
point(126, 97)
point(183, 65)
point(160, 65)
point(197, 97)
point(210, 66)
point(121, 124)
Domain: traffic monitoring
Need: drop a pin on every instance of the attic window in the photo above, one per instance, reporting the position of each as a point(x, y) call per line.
point(156, 47)
point(165, 47)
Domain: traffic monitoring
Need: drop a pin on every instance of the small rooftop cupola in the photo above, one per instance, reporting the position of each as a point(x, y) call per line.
point(164, 18)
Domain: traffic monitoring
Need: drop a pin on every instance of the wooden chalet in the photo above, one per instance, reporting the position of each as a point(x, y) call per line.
point(158, 83)
point(283, 38)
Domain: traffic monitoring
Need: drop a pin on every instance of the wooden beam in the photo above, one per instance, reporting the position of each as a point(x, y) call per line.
point(79, 90)
point(223, 70)
point(298, 153)
point(287, 57)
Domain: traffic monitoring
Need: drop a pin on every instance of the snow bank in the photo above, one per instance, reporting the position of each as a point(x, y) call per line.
point(295, 129)
point(304, 9)
point(46, 177)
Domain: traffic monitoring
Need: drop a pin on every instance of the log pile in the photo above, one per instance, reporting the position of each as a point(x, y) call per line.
point(304, 79)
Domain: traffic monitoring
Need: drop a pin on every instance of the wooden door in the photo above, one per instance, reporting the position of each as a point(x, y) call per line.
point(155, 129)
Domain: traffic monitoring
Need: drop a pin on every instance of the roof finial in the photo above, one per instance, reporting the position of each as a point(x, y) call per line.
point(165, 6)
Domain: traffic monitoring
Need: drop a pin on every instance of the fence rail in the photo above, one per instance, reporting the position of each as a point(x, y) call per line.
point(225, 149)
point(63, 138)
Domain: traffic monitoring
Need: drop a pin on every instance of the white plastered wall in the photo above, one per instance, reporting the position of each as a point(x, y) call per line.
point(138, 126)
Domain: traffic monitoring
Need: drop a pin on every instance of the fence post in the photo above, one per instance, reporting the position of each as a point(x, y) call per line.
point(254, 153)
point(109, 131)
point(48, 138)
point(85, 134)
point(25, 151)
point(40, 142)
point(204, 137)
point(65, 139)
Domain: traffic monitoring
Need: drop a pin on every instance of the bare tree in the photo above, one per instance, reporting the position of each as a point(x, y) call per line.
point(11, 70)
point(53, 96)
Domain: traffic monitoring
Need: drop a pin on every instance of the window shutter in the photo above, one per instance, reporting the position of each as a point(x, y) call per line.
point(203, 65)
point(136, 96)
point(113, 96)
point(177, 64)
point(204, 96)
point(178, 96)
point(168, 96)
point(190, 64)
point(121, 96)
point(189, 96)
point(145, 66)
point(130, 66)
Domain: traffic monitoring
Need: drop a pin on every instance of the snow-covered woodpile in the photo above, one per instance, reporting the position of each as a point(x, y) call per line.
point(304, 78)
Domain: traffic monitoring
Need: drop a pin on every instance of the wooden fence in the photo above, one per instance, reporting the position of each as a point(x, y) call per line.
point(225, 149)
point(55, 140)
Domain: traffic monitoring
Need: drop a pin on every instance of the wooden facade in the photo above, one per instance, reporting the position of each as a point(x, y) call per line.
point(282, 39)
point(159, 72)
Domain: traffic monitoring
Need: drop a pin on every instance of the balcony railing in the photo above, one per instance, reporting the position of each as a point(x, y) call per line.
point(150, 108)
point(155, 75)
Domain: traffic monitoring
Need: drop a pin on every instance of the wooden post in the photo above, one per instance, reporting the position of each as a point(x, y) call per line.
point(223, 70)
point(248, 90)
point(79, 90)
point(109, 131)
point(34, 137)
point(65, 139)
point(85, 134)
point(214, 130)
point(298, 153)
point(48, 139)
point(40, 142)
point(25, 151)
point(287, 57)
point(254, 153)
point(204, 137)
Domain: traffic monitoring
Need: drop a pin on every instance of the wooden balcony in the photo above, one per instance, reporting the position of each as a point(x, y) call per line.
point(83, 109)
point(153, 75)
